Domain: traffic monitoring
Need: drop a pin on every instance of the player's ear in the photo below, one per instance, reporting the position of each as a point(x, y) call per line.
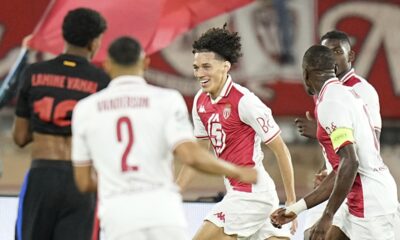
point(107, 65)
point(146, 63)
point(227, 66)
point(352, 56)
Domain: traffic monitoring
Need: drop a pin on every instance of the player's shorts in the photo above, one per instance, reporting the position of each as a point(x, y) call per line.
point(50, 205)
point(314, 214)
point(372, 228)
point(164, 233)
point(247, 215)
point(126, 214)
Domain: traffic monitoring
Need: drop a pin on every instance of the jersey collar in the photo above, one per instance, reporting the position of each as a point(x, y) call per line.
point(328, 82)
point(225, 90)
point(127, 79)
point(347, 76)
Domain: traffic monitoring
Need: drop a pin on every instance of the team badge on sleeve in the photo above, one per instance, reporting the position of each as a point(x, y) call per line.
point(227, 111)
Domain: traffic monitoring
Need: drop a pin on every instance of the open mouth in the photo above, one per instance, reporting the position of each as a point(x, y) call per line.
point(204, 82)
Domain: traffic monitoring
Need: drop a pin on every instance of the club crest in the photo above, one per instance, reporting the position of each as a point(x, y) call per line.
point(227, 111)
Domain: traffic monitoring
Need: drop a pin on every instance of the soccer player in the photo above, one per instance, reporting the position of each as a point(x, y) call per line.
point(339, 43)
point(359, 174)
point(236, 122)
point(50, 205)
point(128, 134)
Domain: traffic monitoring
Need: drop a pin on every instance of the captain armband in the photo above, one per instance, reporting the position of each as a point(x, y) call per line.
point(340, 136)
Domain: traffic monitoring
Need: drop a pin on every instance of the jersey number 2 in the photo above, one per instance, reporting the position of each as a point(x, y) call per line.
point(129, 130)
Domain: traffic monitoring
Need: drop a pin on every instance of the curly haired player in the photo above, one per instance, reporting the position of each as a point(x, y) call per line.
point(236, 122)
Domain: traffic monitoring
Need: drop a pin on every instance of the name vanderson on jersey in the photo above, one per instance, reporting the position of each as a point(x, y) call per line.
point(140, 125)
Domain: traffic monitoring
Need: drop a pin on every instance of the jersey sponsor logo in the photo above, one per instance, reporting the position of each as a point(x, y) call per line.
point(220, 216)
point(227, 111)
point(264, 123)
point(216, 133)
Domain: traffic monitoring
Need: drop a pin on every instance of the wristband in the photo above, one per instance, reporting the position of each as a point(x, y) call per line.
point(298, 207)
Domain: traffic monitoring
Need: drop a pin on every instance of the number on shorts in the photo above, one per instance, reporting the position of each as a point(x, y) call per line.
point(129, 130)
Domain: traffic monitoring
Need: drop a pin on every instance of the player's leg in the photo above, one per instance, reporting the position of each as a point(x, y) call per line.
point(209, 231)
point(76, 214)
point(37, 207)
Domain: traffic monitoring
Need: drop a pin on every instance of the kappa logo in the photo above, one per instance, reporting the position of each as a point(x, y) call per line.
point(202, 109)
point(221, 216)
point(227, 111)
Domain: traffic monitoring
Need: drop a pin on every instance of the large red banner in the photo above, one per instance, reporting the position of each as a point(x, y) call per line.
point(372, 26)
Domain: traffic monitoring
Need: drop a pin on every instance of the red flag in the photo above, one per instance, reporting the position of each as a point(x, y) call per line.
point(155, 23)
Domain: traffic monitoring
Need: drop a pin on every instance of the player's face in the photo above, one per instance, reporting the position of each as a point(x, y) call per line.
point(343, 54)
point(210, 71)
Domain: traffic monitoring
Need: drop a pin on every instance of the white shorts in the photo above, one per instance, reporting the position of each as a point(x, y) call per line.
point(314, 214)
point(247, 215)
point(156, 233)
point(121, 215)
point(372, 228)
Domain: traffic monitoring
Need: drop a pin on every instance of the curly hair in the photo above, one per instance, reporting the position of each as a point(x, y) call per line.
point(82, 25)
point(220, 41)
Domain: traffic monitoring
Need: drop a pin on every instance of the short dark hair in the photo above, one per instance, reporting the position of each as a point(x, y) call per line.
point(220, 41)
point(82, 25)
point(338, 35)
point(125, 51)
point(319, 58)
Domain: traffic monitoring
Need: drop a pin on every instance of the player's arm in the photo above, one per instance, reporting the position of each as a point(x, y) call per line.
point(256, 114)
point(192, 154)
point(282, 154)
point(307, 127)
point(85, 178)
point(345, 178)
point(21, 131)
point(187, 173)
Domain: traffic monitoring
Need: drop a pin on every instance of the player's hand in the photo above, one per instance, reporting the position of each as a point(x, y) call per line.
point(319, 230)
point(307, 127)
point(280, 217)
point(26, 40)
point(319, 177)
point(247, 175)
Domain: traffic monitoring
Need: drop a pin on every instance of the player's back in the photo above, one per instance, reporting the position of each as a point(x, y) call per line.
point(377, 187)
point(50, 90)
point(131, 128)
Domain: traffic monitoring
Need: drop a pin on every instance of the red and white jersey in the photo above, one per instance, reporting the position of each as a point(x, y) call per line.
point(236, 123)
point(129, 130)
point(367, 93)
point(374, 191)
point(370, 98)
